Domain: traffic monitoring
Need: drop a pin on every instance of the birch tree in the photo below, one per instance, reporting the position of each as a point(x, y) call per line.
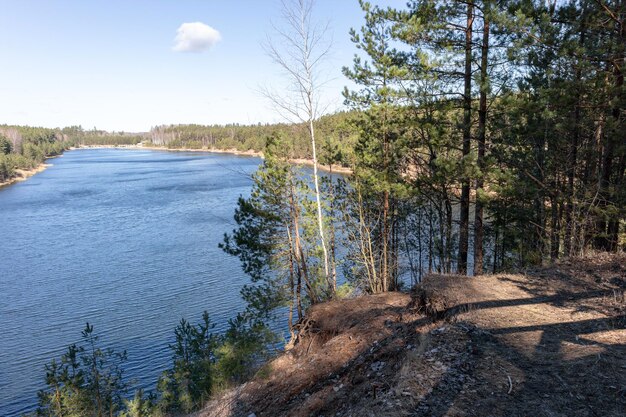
point(299, 48)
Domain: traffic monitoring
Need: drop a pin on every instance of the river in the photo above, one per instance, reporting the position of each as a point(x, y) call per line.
point(123, 239)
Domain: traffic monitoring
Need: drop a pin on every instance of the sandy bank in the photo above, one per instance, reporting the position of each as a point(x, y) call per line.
point(337, 169)
point(23, 174)
point(297, 161)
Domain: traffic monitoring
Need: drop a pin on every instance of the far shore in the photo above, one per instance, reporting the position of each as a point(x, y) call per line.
point(24, 174)
point(297, 161)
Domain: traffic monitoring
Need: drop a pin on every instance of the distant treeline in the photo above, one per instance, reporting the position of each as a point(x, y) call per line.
point(81, 137)
point(337, 137)
point(335, 134)
point(23, 147)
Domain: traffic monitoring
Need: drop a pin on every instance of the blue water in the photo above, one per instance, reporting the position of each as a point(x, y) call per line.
point(124, 239)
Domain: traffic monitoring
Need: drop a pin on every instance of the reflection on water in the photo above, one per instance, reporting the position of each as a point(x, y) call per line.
point(124, 239)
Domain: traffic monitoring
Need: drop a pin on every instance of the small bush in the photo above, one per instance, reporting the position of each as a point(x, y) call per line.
point(344, 291)
point(87, 381)
point(7, 169)
point(189, 383)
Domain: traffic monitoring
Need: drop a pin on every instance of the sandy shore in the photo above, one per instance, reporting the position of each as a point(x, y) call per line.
point(23, 174)
point(297, 161)
point(336, 169)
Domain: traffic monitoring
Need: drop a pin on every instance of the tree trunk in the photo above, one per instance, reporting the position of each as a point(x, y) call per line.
point(618, 132)
point(555, 229)
point(573, 152)
point(332, 237)
point(482, 133)
point(539, 200)
point(467, 128)
point(613, 227)
point(318, 201)
point(431, 233)
point(604, 236)
point(292, 289)
point(299, 251)
point(448, 237)
point(494, 267)
point(384, 262)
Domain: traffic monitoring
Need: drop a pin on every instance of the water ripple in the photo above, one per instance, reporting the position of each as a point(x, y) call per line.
point(126, 240)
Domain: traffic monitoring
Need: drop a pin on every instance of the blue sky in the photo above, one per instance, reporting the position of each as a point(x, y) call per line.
point(113, 64)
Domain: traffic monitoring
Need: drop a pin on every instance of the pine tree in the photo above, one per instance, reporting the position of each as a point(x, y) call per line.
point(271, 243)
point(377, 182)
point(189, 383)
point(87, 381)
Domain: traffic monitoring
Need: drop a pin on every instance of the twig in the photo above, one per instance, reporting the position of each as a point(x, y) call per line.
point(510, 384)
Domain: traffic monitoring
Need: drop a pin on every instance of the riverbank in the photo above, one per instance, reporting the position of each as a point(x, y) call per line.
point(112, 214)
point(296, 161)
point(549, 341)
point(24, 174)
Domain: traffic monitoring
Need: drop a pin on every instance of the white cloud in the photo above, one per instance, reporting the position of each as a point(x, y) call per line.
point(195, 37)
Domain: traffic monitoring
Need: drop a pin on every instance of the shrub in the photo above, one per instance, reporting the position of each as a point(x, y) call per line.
point(87, 381)
point(6, 168)
point(189, 383)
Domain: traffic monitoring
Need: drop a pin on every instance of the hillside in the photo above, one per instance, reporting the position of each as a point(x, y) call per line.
point(549, 342)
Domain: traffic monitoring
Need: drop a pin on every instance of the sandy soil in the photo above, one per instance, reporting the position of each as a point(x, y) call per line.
point(547, 342)
point(23, 174)
point(338, 169)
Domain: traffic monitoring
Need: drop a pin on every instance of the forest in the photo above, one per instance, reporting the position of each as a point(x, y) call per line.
point(335, 130)
point(489, 136)
point(24, 148)
point(482, 135)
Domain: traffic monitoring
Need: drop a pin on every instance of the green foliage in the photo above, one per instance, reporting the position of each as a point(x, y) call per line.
point(330, 129)
point(107, 139)
point(5, 145)
point(345, 290)
point(261, 239)
point(189, 383)
point(7, 167)
point(38, 135)
point(79, 136)
point(242, 350)
point(378, 185)
point(205, 362)
point(547, 90)
point(86, 382)
point(141, 406)
point(33, 152)
point(276, 240)
point(32, 146)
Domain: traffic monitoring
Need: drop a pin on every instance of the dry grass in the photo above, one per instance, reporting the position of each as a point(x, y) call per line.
point(549, 342)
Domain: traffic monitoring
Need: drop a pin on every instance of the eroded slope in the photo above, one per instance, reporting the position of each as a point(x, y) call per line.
point(551, 342)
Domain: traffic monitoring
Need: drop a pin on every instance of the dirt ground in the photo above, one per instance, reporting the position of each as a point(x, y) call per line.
point(546, 342)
